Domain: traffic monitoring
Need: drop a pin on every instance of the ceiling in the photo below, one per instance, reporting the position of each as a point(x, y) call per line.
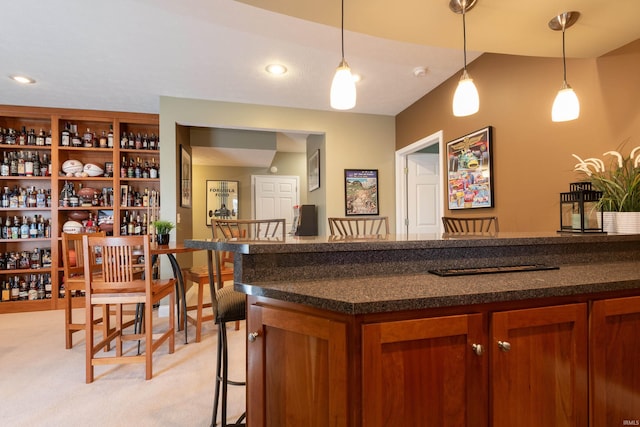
point(124, 54)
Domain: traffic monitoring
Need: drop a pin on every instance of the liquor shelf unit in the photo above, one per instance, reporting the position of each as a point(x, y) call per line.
point(46, 212)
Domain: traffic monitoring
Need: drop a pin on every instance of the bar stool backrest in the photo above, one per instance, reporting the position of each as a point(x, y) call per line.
point(470, 225)
point(359, 226)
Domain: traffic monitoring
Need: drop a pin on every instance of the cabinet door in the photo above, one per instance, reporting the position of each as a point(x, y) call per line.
point(296, 370)
point(425, 372)
point(539, 367)
point(615, 362)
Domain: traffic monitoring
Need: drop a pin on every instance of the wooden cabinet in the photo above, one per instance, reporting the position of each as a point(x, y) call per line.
point(48, 124)
point(526, 366)
point(297, 369)
point(539, 367)
point(615, 362)
point(427, 372)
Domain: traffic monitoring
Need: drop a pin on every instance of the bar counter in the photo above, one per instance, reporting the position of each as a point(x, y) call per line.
point(372, 275)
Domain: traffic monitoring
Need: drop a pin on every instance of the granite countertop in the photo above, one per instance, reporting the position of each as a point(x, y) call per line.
point(301, 244)
point(375, 294)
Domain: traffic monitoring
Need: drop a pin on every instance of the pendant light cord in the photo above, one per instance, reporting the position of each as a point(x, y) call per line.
point(342, 29)
point(564, 60)
point(464, 37)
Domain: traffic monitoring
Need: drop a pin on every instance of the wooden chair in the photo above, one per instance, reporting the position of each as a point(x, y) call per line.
point(359, 226)
point(229, 305)
point(487, 225)
point(118, 283)
point(200, 276)
point(73, 270)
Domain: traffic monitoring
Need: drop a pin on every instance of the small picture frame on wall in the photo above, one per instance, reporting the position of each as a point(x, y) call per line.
point(361, 192)
point(313, 171)
point(185, 177)
point(469, 166)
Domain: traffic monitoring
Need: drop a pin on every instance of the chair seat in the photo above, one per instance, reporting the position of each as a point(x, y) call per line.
point(231, 305)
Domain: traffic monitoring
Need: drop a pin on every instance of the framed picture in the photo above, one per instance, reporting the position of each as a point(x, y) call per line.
point(313, 171)
point(185, 177)
point(108, 169)
point(361, 192)
point(124, 195)
point(469, 177)
point(222, 200)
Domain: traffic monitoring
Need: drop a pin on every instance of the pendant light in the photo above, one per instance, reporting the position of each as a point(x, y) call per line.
point(566, 105)
point(465, 100)
point(343, 87)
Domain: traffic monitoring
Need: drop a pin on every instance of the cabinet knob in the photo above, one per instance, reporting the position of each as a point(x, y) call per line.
point(477, 349)
point(253, 336)
point(504, 345)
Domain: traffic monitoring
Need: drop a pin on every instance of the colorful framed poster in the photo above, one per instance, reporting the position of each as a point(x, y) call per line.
point(469, 166)
point(361, 192)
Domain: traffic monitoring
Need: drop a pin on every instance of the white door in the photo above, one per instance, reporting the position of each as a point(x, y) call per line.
point(275, 197)
point(423, 192)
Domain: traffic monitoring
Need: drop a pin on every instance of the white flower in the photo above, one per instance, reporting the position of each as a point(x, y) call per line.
point(618, 155)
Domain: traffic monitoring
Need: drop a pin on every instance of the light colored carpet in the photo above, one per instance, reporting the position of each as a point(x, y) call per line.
point(43, 384)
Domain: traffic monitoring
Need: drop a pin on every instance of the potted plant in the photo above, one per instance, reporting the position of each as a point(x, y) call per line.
point(163, 228)
point(619, 182)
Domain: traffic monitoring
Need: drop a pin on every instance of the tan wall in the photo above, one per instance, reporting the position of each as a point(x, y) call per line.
point(350, 141)
point(532, 160)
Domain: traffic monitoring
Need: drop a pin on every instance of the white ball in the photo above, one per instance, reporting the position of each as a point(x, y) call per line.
point(72, 227)
point(72, 166)
point(93, 169)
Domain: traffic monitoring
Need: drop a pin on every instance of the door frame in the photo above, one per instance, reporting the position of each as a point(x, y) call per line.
point(401, 177)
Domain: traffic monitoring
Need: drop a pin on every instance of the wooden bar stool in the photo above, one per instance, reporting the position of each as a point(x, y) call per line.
point(200, 276)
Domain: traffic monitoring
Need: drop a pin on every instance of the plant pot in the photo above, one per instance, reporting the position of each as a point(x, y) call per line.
point(163, 239)
point(621, 222)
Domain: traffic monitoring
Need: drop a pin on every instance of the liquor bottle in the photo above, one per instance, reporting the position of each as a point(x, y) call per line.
point(15, 228)
point(33, 228)
point(153, 170)
point(40, 286)
point(13, 164)
point(36, 164)
point(35, 262)
point(47, 286)
point(28, 164)
point(21, 171)
point(124, 226)
point(145, 198)
point(31, 137)
point(137, 226)
point(123, 168)
point(15, 288)
point(6, 229)
point(124, 141)
point(23, 294)
point(76, 141)
point(138, 169)
point(6, 291)
point(132, 141)
point(22, 136)
point(32, 294)
point(131, 169)
point(145, 142)
point(10, 137)
point(145, 224)
point(24, 228)
point(152, 142)
point(32, 200)
point(87, 139)
point(138, 145)
point(45, 165)
point(131, 225)
point(5, 169)
point(103, 140)
point(65, 139)
point(48, 140)
point(40, 139)
point(110, 137)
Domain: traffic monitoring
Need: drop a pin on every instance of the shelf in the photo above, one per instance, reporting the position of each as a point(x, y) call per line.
point(38, 239)
point(46, 209)
point(27, 271)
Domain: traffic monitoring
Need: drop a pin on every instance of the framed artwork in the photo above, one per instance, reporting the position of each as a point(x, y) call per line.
point(185, 177)
point(469, 165)
point(222, 200)
point(313, 171)
point(361, 192)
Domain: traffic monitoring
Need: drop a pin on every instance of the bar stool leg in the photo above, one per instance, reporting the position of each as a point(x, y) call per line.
point(222, 379)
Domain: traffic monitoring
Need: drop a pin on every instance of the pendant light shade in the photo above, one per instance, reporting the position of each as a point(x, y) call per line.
point(465, 100)
point(566, 105)
point(343, 87)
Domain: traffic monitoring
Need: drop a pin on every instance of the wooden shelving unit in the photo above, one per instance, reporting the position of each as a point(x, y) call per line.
point(55, 120)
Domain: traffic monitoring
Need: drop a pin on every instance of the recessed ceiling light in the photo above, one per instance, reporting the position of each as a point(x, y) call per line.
point(276, 69)
point(22, 79)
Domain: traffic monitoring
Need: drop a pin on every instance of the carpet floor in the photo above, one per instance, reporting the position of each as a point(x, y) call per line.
point(43, 384)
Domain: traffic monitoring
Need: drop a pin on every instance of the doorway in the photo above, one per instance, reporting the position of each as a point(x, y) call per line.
point(274, 197)
point(419, 203)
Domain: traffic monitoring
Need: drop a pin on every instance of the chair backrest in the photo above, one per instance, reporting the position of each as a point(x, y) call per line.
point(123, 259)
point(249, 229)
point(470, 225)
point(359, 226)
point(73, 253)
